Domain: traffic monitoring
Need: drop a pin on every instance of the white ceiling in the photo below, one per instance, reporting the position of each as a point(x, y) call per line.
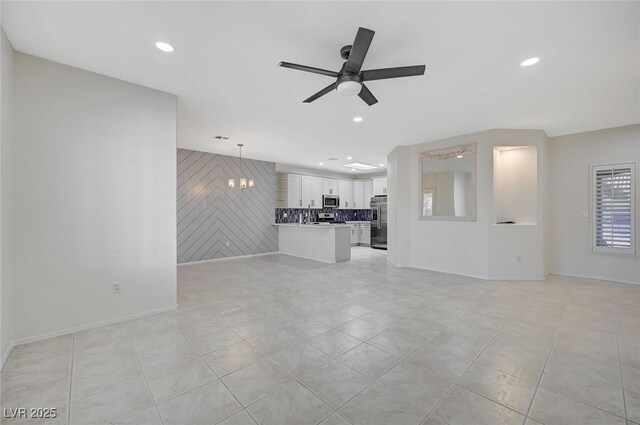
point(224, 69)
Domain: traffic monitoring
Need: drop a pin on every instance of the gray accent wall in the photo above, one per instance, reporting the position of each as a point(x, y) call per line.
point(212, 216)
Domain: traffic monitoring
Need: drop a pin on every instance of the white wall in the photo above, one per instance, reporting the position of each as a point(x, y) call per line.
point(450, 246)
point(515, 184)
point(6, 69)
point(570, 160)
point(473, 248)
point(89, 187)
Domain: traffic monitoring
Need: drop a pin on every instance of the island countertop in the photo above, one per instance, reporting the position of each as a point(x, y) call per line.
point(317, 226)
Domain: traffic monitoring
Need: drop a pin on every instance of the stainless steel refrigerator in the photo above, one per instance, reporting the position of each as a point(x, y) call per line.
point(379, 222)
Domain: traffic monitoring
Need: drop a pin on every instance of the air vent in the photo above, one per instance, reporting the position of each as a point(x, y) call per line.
point(221, 137)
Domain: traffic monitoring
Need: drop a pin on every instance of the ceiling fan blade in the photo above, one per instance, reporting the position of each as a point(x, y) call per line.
point(308, 69)
point(367, 96)
point(359, 50)
point(383, 74)
point(321, 93)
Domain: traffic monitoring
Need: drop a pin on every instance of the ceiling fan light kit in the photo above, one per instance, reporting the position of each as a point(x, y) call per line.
point(350, 80)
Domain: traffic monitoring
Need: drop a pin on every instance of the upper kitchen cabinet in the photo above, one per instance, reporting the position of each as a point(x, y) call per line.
point(306, 191)
point(345, 189)
point(329, 186)
point(294, 191)
point(368, 193)
point(303, 191)
point(358, 195)
point(311, 191)
point(316, 192)
point(379, 186)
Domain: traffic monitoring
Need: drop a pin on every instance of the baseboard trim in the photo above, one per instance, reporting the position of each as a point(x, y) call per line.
point(629, 282)
point(5, 355)
point(516, 279)
point(449, 272)
point(213, 260)
point(67, 331)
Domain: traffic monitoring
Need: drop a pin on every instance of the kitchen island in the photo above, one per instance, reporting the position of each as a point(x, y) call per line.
point(328, 243)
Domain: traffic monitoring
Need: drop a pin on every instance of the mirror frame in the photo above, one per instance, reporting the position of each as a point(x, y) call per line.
point(446, 153)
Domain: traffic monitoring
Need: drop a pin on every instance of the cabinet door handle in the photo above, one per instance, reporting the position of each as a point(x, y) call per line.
point(384, 190)
point(300, 202)
point(313, 202)
point(346, 204)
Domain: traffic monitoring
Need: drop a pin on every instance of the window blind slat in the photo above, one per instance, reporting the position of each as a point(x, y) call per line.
point(613, 204)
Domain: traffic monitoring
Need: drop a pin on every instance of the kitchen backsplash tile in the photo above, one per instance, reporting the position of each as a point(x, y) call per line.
point(341, 215)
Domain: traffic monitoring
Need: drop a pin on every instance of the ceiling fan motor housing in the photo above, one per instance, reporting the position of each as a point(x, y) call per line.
point(345, 51)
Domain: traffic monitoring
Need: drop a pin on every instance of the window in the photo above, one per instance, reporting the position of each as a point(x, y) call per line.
point(427, 202)
point(614, 208)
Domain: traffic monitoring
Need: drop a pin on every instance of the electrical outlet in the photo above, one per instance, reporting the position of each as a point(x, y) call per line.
point(116, 287)
point(226, 243)
point(584, 214)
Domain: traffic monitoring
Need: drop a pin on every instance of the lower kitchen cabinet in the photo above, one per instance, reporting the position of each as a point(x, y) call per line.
point(355, 234)
point(360, 233)
point(365, 235)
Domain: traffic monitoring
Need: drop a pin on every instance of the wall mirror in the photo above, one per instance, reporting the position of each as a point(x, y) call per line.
point(448, 186)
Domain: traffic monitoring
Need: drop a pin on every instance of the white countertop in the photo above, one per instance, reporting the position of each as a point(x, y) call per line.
point(361, 221)
point(317, 226)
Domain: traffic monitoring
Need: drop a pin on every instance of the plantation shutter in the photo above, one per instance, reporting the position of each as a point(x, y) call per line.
point(614, 208)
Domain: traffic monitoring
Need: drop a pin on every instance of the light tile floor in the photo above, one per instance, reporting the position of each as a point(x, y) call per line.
point(280, 340)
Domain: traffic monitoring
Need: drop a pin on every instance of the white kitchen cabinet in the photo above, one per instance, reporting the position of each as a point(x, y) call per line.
point(329, 186)
point(358, 194)
point(305, 184)
point(294, 191)
point(355, 234)
point(345, 189)
point(365, 235)
point(368, 193)
point(379, 186)
point(316, 192)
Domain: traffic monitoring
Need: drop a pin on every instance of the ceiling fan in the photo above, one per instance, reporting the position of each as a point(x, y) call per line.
point(350, 80)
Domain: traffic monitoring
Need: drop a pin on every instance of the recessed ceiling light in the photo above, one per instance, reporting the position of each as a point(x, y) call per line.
point(357, 119)
point(165, 47)
point(382, 165)
point(320, 163)
point(459, 156)
point(360, 166)
point(529, 62)
point(353, 169)
point(349, 158)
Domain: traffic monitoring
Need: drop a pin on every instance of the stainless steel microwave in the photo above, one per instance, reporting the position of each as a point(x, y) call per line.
point(330, 201)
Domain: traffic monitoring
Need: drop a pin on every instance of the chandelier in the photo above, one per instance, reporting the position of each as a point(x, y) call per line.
point(242, 182)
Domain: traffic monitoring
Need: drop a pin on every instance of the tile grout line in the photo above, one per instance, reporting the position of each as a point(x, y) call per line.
point(544, 367)
point(144, 376)
point(615, 324)
point(219, 378)
point(455, 383)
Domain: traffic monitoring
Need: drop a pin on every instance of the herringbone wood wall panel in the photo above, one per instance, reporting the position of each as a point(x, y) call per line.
point(210, 214)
